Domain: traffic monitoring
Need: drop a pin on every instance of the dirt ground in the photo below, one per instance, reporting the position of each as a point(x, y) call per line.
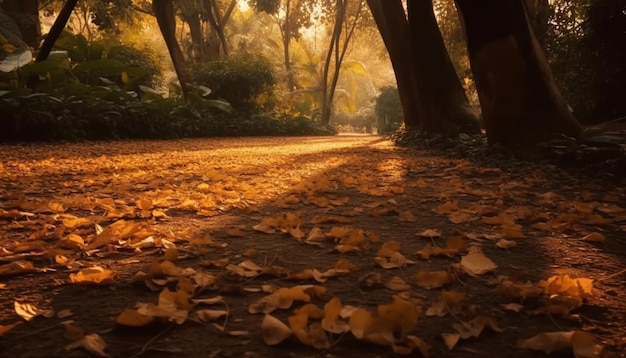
point(205, 206)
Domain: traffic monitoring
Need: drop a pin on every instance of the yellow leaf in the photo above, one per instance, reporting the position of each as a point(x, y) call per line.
point(594, 237)
point(429, 233)
point(566, 286)
point(95, 274)
point(77, 222)
point(400, 316)
point(132, 318)
point(28, 311)
point(209, 315)
point(17, 267)
point(432, 279)
point(273, 330)
point(92, 343)
point(582, 343)
point(506, 244)
point(476, 263)
point(331, 322)
point(397, 284)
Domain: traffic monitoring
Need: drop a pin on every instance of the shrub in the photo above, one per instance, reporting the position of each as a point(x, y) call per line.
point(245, 81)
point(388, 110)
point(76, 112)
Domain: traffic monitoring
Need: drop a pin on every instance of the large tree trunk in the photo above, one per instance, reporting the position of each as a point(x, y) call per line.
point(26, 16)
point(444, 102)
point(393, 27)
point(432, 97)
point(520, 101)
point(164, 13)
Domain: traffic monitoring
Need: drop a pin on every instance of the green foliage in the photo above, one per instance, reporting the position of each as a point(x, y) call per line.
point(245, 81)
point(389, 115)
point(107, 58)
point(76, 111)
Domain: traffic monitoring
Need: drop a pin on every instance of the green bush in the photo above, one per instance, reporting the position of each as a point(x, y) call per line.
point(77, 112)
point(244, 81)
point(108, 58)
point(389, 116)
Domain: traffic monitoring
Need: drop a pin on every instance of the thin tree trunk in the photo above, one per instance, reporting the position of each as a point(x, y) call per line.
point(519, 99)
point(339, 56)
point(56, 30)
point(164, 12)
point(286, 36)
point(340, 8)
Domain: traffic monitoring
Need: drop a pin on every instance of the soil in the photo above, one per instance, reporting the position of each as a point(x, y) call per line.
point(208, 187)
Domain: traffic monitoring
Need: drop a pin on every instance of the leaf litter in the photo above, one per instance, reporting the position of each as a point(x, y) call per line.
point(318, 249)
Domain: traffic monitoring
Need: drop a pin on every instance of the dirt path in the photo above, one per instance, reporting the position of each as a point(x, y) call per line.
point(170, 222)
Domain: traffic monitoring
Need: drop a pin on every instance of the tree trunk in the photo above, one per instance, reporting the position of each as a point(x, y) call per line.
point(164, 13)
point(286, 36)
point(56, 30)
point(393, 27)
point(432, 97)
point(328, 94)
point(519, 99)
point(445, 106)
point(26, 16)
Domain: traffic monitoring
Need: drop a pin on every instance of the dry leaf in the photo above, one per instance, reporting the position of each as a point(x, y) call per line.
point(476, 263)
point(397, 284)
point(581, 343)
point(432, 279)
point(331, 321)
point(429, 234)
point(93, 275)
point(209, 315)
point(594, 237)
point(28, 311)
point(92, 343)
point(273, 330)
point(132, 318)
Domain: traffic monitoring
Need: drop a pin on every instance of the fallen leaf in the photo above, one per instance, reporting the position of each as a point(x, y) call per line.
point(476, 263)
point(273, 330)
point(92, 343)
point(28, 311)
point(93, 275)
point(582, 343)
point(594, 237)
point(132, 318)
point(432, 279)
point(429, 234)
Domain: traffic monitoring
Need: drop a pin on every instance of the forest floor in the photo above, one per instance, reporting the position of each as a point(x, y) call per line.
point(303, 247)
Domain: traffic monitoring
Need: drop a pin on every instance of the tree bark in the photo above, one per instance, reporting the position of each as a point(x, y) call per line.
point(444, 102)
point(26, 16)
point(432, 97)
point(56, 30)
point(393, 27)
point(519, 99)
point(164, 13)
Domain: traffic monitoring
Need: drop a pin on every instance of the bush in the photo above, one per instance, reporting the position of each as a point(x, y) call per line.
point(109, 59)
point(78, 112)
point(388, 110)
point(245, 81)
